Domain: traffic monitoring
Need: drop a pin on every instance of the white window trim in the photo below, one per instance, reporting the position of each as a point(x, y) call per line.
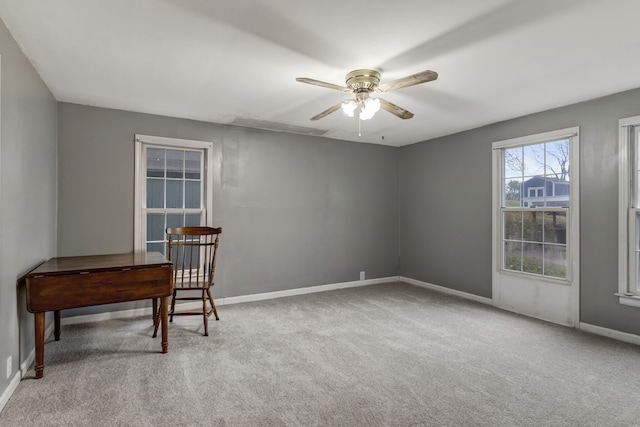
point(573, 258)
point(139, 245)
point(626, 227)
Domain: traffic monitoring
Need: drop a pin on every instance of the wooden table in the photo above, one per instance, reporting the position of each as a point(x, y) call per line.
point(72, 282)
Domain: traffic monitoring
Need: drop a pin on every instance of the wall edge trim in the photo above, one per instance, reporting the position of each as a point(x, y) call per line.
point(609, 333)
point(21, 372)
point(445, 290)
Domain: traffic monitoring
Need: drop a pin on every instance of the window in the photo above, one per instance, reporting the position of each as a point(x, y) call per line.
point(533, 217)
point(629, 212)
point(536, 192)
point(174, 188)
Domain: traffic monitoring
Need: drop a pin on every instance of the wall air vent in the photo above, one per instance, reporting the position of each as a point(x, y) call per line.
point(276, 127)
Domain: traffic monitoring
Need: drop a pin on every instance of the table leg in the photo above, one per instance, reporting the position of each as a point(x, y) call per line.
point(56, 317)
point(164, 313)
point(39, 323)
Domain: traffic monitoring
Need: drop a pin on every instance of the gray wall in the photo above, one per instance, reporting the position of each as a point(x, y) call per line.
point(297, 211)
point(27, 194)
point(445, 205)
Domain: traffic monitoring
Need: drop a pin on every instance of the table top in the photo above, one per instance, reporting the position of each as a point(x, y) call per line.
point(61, 265)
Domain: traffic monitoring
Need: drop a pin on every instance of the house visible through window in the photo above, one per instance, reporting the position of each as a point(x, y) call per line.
point(173, 188)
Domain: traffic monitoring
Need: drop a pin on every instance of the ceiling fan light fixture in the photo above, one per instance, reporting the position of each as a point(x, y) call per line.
point(369, 108)
point(349, 107)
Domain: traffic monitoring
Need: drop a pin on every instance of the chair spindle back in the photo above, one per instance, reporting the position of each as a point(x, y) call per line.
point(193, 250)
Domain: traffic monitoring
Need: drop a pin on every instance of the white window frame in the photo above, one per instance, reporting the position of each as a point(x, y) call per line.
point(573, 227)
point(628, 210)
point(209, 186)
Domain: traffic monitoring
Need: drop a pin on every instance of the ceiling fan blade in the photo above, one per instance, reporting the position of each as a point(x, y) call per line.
point(323, 84)
point(394, 109)
point(414, 79)
point(327, 111)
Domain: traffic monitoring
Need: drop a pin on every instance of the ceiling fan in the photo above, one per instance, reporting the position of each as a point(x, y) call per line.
point(363, 83)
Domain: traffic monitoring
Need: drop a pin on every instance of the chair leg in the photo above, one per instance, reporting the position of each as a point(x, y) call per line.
point(204, 314)
point(173, 305)
point(156, 322)
point(154, 306)
point(156, 317)
point(213, 304)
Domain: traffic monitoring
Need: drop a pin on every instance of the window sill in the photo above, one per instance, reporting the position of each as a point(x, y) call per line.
point(631, 300)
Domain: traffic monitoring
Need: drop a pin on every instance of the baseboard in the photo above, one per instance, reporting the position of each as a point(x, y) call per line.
point(26, 363)
point(24, 367)
point(586, 327)
point(610, 333)
point(13, 385)
point(303, 291)
point(99, 317)
point(147, 311)
point(446, 290)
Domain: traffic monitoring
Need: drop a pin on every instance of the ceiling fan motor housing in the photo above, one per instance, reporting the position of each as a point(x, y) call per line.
point(363, 80)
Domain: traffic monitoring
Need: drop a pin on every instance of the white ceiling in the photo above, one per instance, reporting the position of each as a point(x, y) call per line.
point(236, 61)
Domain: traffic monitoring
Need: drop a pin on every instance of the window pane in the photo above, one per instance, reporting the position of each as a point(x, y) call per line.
point(513, 256)
point(155, 162)
point(555, 227)
point(637, 286)
point(636, 149)
point(155, 227)
point(513, 166)
point(532, 258)
point(555, 261)
point(513, 225)
point(533, 160)
point(193, 164)
point(156, 247)
point(557, 173)
point(557, 160)
point(637, 231)
point(174, 194)
point(175, 220)
point(192, 219)
point(560, 194)
point(512, 192)
point(175, 164)
point(532, 226)
point(155, 193)
point(637, 254)
point(192, 194)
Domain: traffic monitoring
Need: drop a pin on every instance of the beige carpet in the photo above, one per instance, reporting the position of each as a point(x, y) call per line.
point(383, 355)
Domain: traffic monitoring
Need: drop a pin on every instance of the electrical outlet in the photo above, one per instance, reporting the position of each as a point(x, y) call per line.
point(362, 275)
point(9, 363)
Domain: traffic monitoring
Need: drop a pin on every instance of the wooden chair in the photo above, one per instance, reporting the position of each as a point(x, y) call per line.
point(192, 250)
